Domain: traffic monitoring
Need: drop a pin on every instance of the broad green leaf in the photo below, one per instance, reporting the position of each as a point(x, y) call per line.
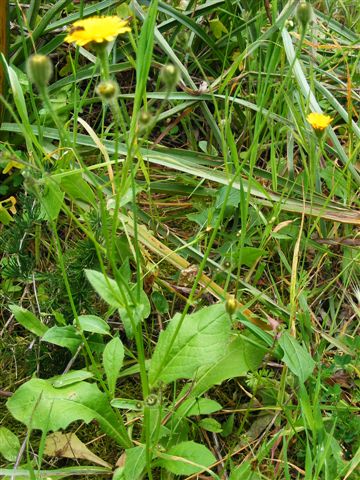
point(118, 474)
point(113, 358)
point(296, 357)
point(77, 188)
point(244, 472)
point(248, 255)
point(5, 217)
point(239, 358)
point(198, 406)
point(139, 312)
point(187, 458)
point(28, 320)
point(135, 462)
point(40, 406)
point(160, 302)
point(210, 424)
point(217, 28)
point(106, 287)
point(67, 337)
point(69, 378)
point(51, 201)
point(94, 324)
point(190, 343)
point(9, 444)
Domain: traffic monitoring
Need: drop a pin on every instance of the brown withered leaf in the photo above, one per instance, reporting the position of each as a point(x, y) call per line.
point(68, 445)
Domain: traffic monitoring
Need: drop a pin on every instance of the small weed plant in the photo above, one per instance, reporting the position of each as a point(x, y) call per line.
point(179, 218)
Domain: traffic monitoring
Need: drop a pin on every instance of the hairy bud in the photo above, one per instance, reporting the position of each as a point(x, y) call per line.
point(107, 90)
point(39, 69)
point(170, 76)
point(304, 14)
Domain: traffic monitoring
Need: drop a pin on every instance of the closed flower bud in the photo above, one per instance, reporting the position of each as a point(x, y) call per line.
point(170, 76)
point(39, 69)
point(151, 400)
point(231, 305)
point(304, 13)
point(107, 90)
point(289, 24)
point(145, 118)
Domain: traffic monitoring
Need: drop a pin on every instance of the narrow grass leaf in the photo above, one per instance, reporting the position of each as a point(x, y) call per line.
point(314, 105)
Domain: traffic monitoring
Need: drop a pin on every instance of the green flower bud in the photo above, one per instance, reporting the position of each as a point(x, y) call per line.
point(151, 400)
point(170, 76)
point(304, 14)
point(231, 305)
point(289, 24)
point(107, 90)
point(39, 69)
point(145, 118)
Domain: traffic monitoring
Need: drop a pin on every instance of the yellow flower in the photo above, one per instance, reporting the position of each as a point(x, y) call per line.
point(97, 29)
point(12, 164)
point(9, 204)
point(319, 121)
point(12, 208)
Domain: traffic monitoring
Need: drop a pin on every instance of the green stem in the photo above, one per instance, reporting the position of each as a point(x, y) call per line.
point(64, 138)
point(104, 61)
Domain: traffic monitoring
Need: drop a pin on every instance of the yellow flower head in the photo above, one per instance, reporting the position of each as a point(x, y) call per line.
point(9, 204)
point(97, 29)
point(12, 164)
point(319, 121)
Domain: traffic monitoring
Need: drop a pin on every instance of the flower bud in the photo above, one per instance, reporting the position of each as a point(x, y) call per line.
point(289, 25)
point(151, 400)
point(39, 69)
point(170, 76)
point(231, 305)
point(145, 118)
point(304, 14)
point(107, 89)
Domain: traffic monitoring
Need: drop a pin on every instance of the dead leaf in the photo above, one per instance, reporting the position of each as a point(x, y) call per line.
point(68, 445)
point(282, 225)
point(121, 461)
